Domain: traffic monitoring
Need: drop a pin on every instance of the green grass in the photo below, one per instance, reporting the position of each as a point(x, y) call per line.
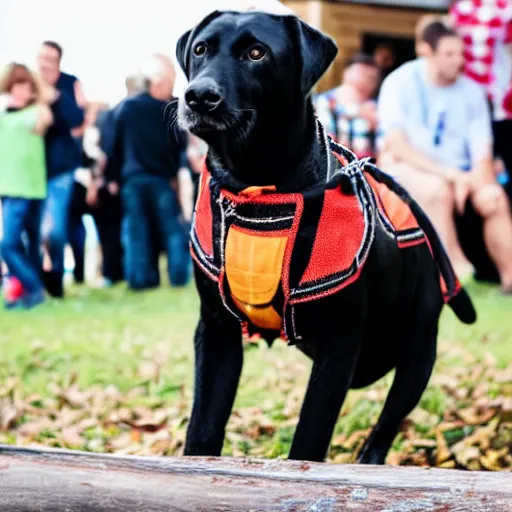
point(144, 340)
point(493, 330)
point(102, 335)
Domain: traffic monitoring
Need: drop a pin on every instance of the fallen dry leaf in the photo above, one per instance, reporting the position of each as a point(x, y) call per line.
point(149, 370)
point(339, 440)
point(8, 386)
point(135, 435)
point(113, 394)
point(121, 441)
point(490, 360)
point(256, 431)
point(443, 453)
point(33, 429)
point(449, 464)
point(148, 419)
point(421, 417)
point(376, 395)
point(120, 415)
point(465, 455)
point(73, 396)
point(344, 458)
point(478, 371)
point(506, 409)
point(87, 423)
point(159, 443)
point(72, 437)
point(393, 458)
point(424, 443)
point(481, 390)
point(503, 376)
point(473, 416)
point(446, 426)
point(493, 459)
point(8, 414)
point(68, 416)
point(419, 458)
point(355, 439)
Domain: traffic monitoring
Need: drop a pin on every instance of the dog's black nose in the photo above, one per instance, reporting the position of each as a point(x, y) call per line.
point(203, 97)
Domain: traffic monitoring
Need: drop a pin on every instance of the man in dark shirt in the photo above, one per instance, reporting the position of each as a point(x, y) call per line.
point(63, 157)
point(148, 157)
point(107, 213)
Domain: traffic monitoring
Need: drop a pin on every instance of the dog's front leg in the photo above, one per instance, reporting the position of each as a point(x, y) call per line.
point(218, 364)
point(330, 379)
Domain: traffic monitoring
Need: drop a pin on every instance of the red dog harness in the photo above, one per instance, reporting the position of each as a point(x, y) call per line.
point(269, 251)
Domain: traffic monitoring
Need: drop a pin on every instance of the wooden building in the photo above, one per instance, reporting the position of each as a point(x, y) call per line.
point(358, 25)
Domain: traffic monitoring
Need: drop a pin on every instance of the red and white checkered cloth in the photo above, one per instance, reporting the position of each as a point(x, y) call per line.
point(486, 29)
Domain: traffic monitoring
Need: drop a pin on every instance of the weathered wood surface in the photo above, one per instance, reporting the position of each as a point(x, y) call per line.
point(62, 480)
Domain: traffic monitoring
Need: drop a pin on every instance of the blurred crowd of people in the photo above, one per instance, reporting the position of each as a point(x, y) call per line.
point(440, 124)
point(62, 157)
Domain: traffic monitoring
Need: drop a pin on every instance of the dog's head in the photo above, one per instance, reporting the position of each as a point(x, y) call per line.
point(247, 71)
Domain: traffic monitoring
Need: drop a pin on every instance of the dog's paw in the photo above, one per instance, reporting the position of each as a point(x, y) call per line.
point(369, 456)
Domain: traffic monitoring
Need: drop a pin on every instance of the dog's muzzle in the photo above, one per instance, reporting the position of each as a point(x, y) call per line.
point(202, 108)
point(219, 119)
point(204, 96)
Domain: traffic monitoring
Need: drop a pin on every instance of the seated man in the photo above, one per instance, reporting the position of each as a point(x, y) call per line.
point(437, 143)
point(349, 112)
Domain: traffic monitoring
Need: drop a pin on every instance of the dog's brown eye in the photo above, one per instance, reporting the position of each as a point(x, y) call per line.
point(200, 50)
point(256, 53)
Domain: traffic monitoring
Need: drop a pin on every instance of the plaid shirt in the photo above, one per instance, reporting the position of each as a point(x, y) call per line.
point(486, 29)
point(345, 124)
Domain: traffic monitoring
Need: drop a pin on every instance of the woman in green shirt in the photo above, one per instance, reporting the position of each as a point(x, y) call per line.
point(23, 122)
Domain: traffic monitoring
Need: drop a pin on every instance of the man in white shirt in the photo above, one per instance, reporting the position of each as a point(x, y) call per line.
point(437, 142)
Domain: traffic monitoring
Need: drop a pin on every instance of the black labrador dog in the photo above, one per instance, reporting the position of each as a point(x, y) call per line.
point(250, 77)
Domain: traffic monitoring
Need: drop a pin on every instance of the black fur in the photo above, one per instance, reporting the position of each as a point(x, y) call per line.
point(261, 132)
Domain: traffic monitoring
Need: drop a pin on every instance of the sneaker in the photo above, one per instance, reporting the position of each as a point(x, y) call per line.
point(53, 283)
point(101, 283)
point(31, 300)
point(13, 304)
point(13, 289)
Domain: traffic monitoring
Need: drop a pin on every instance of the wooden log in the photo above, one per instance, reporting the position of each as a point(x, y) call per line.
point(58, 480)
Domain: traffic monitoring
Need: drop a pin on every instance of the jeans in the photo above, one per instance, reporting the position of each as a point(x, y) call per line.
point(23, 217)
point(54, 230)
point(150, 223)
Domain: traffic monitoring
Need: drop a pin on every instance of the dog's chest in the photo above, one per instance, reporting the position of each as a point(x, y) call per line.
point(269, 252)
point(254, 265)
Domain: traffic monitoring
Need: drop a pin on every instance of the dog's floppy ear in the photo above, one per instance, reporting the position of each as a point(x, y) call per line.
point(185, 41)
point(316, 53)
point(181, 51)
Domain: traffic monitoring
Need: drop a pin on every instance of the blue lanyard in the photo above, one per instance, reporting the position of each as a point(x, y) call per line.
point(440, 127)
point(441, 121)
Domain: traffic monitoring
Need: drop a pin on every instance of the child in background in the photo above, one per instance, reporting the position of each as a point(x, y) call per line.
point(24, 118)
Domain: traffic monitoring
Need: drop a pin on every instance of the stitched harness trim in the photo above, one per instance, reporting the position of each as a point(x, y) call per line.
point(336, 281)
